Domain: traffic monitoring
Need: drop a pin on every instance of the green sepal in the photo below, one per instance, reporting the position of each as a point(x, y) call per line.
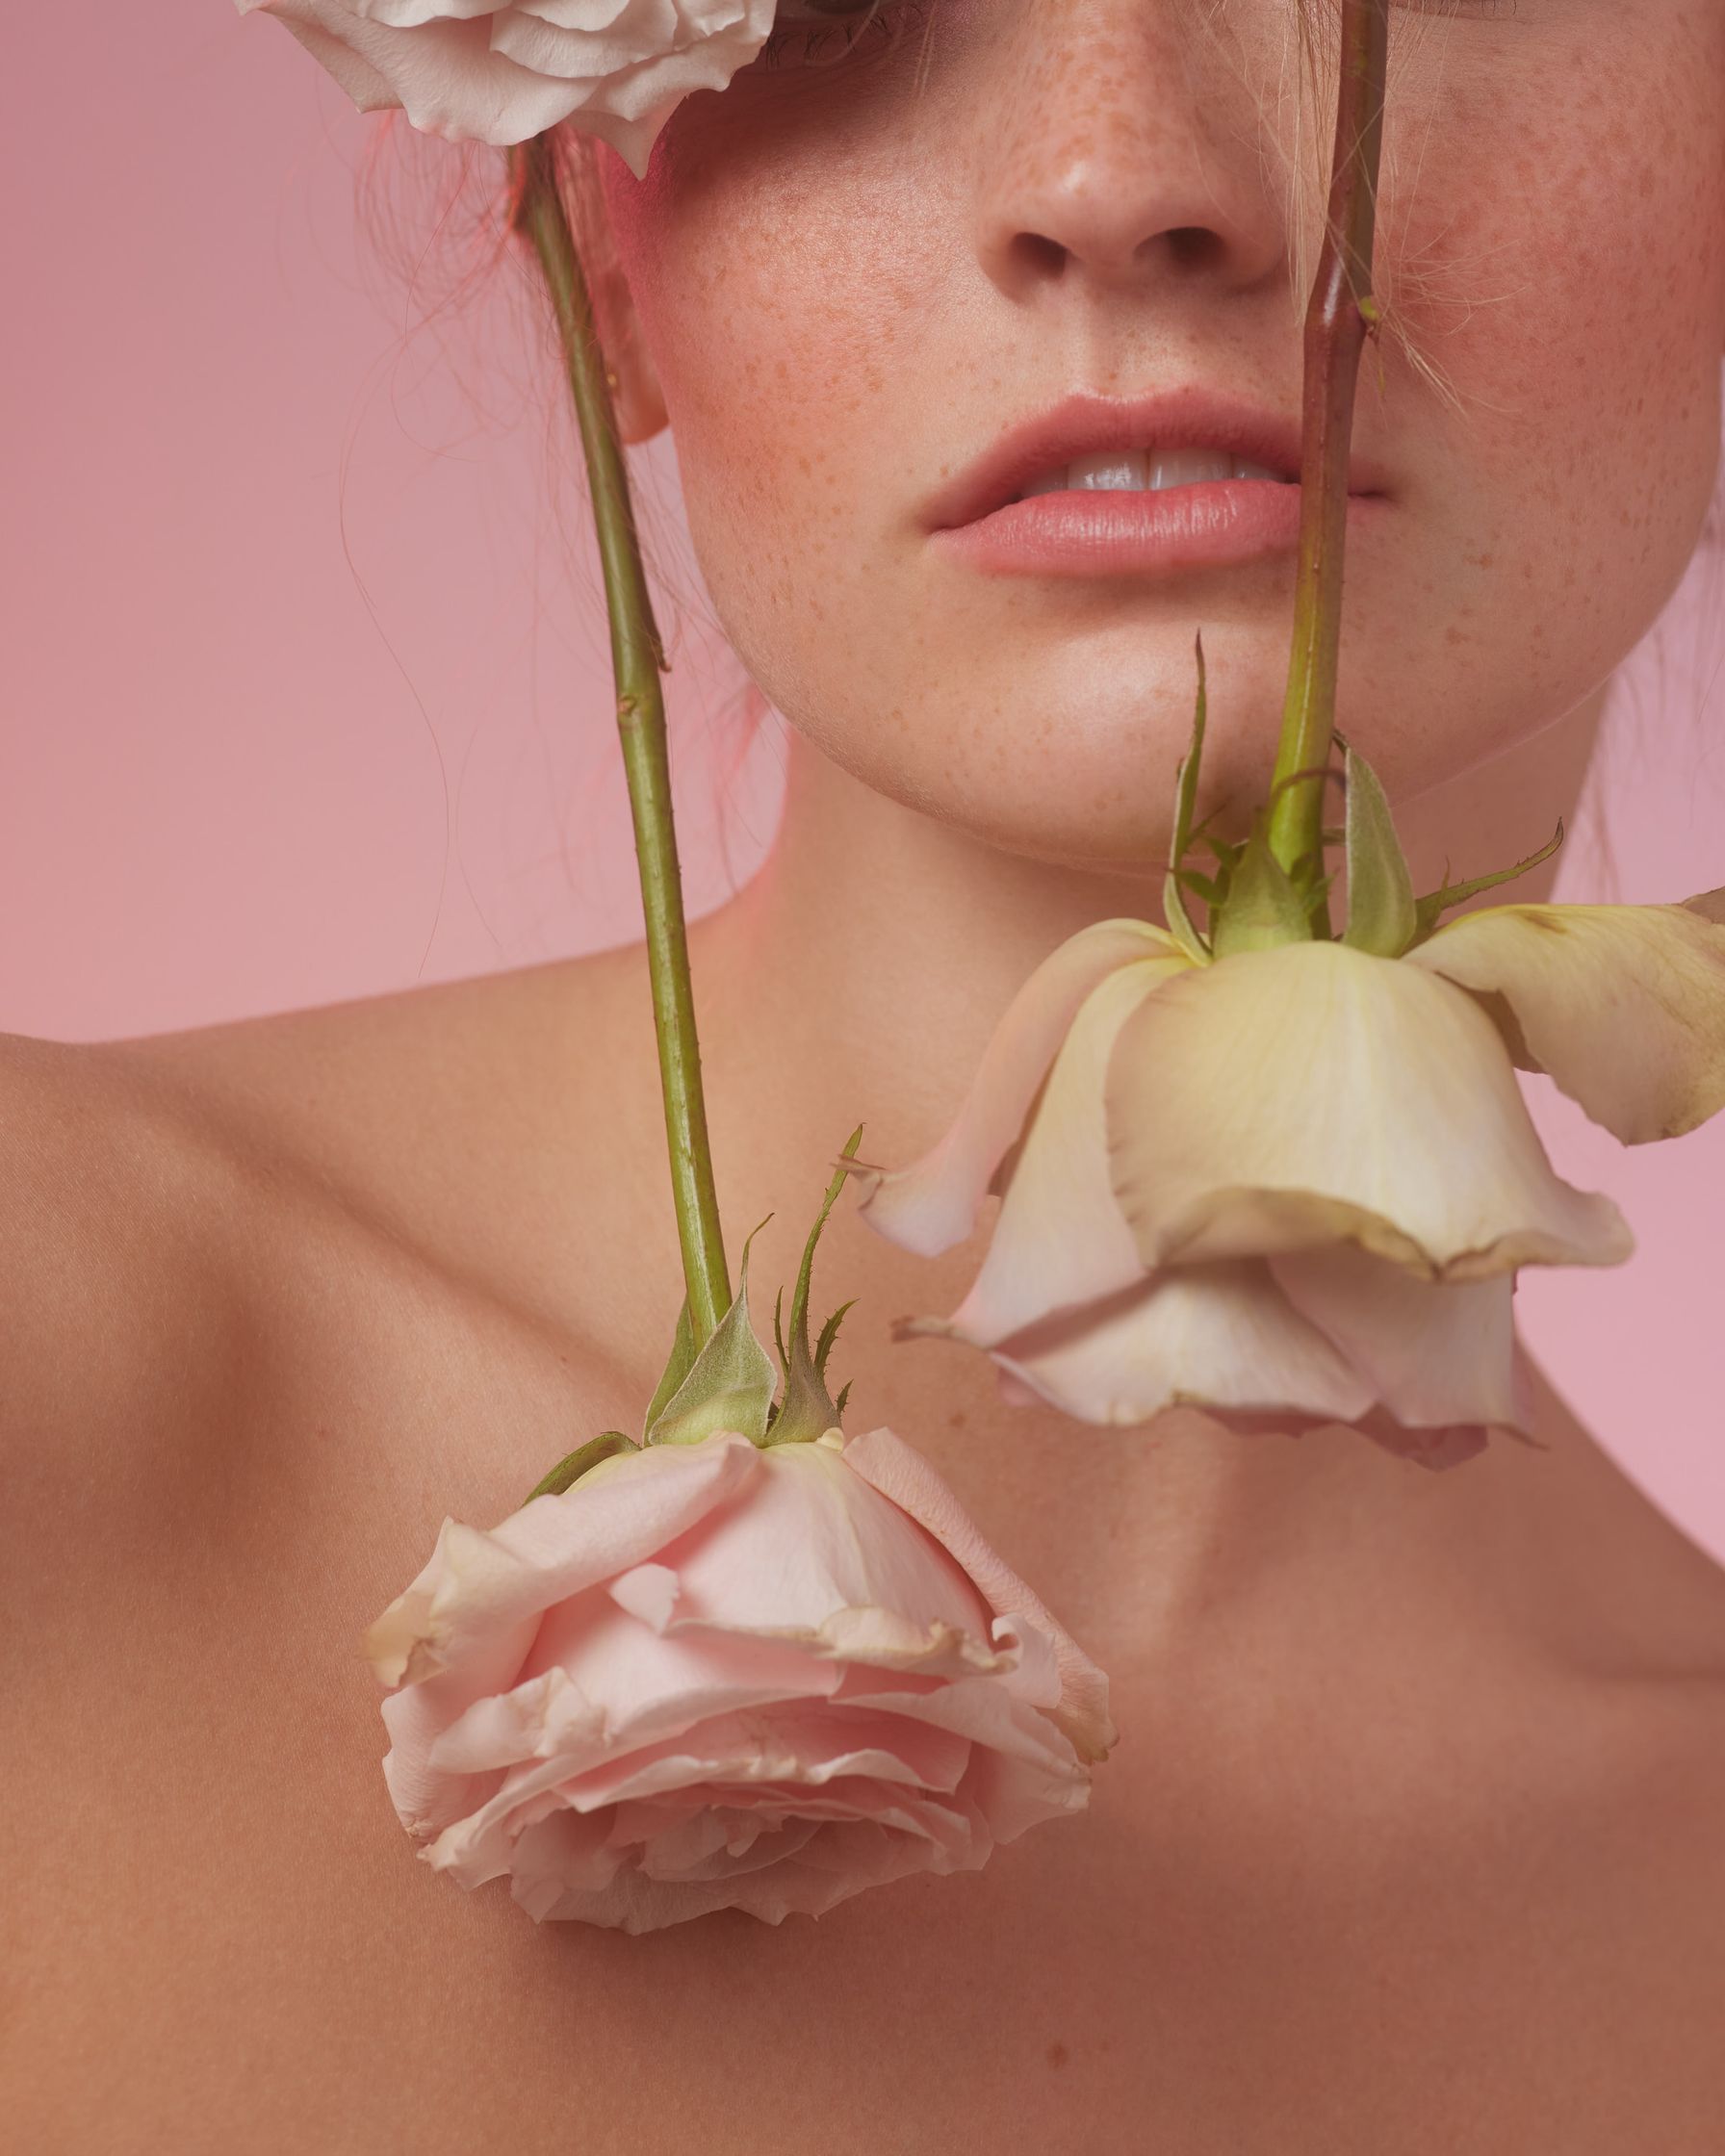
point(1227, 851)
point(682, 1362)
point(829, 1333)
point(1210, 888)
point(1186, 778)
point(1430, 909)
point(845, 1394)
point(1263, 910)
point(807, 1410)
point(1381, 915)
point(574, 1465)
point(730, 1385)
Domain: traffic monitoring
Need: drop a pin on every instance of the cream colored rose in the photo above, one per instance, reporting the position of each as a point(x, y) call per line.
point(501, 70)
point(718, 1676)
point(1297, 1182)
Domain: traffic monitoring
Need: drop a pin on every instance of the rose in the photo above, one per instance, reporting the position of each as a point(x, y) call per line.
point(501, 70)
point(1296, 1182)
point(722, 1675)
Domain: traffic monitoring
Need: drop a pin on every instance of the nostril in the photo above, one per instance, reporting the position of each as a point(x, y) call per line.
point(1194, 246)
point(1037, 254)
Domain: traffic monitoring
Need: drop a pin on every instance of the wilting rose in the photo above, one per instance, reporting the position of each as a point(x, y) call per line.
point(1297, 1182)
point(501, 70)
point(724, 1676)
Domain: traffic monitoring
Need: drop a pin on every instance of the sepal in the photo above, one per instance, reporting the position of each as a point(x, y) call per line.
point(1263, 910)
point(569, 1469)
point(1382, 914)
point(730, 1384)
point(677, 1368)
point(1431, 910)
point(1173, 898)
point(807, 1410)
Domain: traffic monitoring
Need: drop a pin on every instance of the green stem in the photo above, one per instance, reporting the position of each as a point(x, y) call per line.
point(1336, 323)
point(637, 659)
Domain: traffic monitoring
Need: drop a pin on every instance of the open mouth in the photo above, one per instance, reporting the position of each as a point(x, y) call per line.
point(1145, 472)
point(1218, 447)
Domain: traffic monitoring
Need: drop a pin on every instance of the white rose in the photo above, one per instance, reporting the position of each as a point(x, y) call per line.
point(489, 71)
point(1299, 1182)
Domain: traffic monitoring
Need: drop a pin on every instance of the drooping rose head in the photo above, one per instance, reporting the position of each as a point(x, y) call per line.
point(719, 1675)
point(1293, 1185)
point(501, 70)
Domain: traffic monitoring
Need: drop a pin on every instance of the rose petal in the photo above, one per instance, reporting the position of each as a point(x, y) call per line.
point(1433, 1353)
point(1061, 1239)
point(795, 1690)
point(1622, 1006)
point(813, 1541)
point(489, 71)
point(476, 1584)
point(1291, 1098)
point(934, 1203)
point(906, 1478)
point(1217, 1335)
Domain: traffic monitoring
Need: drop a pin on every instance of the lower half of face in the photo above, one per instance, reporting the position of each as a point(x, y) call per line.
point(896, 239)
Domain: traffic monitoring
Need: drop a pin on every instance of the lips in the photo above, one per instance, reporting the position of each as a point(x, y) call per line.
point(1088, 425)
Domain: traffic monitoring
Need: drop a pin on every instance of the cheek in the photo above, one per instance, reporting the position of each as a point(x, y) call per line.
point(1571, 296)
point(789, 293)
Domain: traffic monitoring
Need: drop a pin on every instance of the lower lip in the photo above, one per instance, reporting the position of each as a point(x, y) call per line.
point(1117, 532)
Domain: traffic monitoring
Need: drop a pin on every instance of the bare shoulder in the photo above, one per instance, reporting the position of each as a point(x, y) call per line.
point(189, 1216)
point(462, 1119)
point(100, 1185)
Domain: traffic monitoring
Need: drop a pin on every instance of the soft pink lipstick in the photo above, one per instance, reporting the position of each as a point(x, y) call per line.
point(1019, 511)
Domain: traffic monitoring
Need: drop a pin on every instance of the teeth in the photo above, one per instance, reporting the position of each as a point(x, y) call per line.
point(1125, 471)
point(1190, 467)
point(1145, 472)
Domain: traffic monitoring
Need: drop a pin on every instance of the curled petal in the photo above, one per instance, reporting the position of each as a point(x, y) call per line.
point(933, 1203)
point(1436, 1450)
point(1213, 1336)
point(479, 1585)
point(1436, 1353)
point(717, 1676)
point(1061, 1239)
point(903, 1475)
point(1288, 1099)
point(1622, 1006)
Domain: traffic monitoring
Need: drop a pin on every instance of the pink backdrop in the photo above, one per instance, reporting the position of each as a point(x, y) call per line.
point(305, 684)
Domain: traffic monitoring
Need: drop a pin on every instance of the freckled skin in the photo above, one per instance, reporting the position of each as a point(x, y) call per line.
point(852, 277)
point(1411, 1843)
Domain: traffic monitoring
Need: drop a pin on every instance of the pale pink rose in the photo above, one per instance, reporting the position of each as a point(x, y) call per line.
point(501, 70)
point(1293, 1185)
point(719, 1675)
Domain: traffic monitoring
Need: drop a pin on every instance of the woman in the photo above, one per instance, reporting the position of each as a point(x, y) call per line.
point(1412, 1841)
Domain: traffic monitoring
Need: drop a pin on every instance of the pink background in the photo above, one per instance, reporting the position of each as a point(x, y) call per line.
point(305, 684)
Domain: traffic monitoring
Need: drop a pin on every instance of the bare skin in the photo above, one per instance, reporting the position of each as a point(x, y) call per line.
point(1411, 1843)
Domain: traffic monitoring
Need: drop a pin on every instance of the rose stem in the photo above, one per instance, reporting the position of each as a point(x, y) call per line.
point(637, 659)
point(1337, 318)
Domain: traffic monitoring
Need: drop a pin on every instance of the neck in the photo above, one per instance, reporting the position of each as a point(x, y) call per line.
point(886, 944)
point(858, 978)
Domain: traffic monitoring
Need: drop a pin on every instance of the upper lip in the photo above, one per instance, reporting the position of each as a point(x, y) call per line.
point(1087, 425)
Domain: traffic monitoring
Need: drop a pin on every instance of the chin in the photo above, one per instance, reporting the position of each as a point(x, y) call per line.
point(1087, 789)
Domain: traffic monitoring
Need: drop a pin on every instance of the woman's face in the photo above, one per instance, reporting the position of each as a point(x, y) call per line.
point(855, 271)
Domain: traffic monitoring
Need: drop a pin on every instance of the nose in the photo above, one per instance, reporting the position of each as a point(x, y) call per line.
point(1124, 146)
